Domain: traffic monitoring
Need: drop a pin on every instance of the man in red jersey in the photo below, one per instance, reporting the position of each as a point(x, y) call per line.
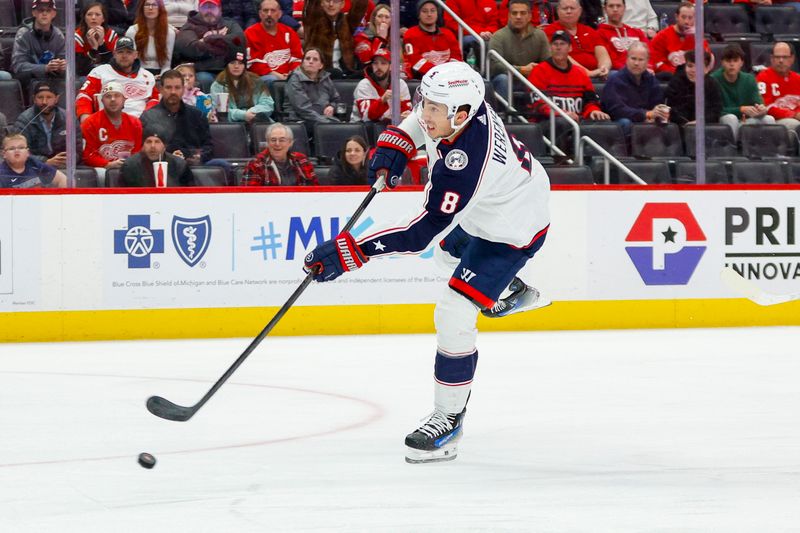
point(618, 37)
point(670, 44)
point(110, 135)
point(427, 45)
point(780, 87)
point(274, 48)
point(588, 50)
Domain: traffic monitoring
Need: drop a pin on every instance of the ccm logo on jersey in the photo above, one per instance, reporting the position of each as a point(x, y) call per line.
point(456, 160)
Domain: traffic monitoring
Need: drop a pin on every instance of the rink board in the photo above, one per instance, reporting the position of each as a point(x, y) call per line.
point(216, 262)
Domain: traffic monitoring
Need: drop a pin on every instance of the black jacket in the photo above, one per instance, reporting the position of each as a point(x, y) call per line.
point(37, 138)
point(137, 171)
point(187, 130)
point(343, 174)
point(680, 98)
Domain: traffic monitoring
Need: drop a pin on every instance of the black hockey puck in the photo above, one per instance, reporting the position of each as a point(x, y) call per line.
point(147, 460)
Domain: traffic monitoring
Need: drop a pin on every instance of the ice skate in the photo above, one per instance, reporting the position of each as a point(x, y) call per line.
point(435, 440)
point(522, 298)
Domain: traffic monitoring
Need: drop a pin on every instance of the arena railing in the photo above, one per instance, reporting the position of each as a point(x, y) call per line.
point(579, 139)
point(464, 26)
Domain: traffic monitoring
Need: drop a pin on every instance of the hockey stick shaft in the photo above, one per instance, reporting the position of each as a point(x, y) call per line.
point(165, 409)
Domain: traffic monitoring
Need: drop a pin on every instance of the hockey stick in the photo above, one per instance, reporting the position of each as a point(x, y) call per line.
point(164, 408)
point(752, 292)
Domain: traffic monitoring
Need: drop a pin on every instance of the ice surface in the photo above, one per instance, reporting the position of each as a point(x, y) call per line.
point(645, 431)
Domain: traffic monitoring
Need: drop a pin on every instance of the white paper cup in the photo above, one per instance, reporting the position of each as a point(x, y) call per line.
point(222, 102)
point(160, 173)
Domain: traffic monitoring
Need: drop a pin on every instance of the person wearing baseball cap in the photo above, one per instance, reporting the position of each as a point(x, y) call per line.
point(110, 135)
point(566, 84)
point(205, 40)
point(44, 125)
point(372, 97)
point(39, 46)
point(137, 170)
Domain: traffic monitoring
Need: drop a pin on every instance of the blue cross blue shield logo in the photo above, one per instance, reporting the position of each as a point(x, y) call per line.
point(191, 237)
point(139, 241)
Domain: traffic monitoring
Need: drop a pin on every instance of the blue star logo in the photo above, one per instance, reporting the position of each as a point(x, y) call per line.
point(139, 241)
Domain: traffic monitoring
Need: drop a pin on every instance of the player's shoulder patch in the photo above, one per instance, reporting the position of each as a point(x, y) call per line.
point(456, 160)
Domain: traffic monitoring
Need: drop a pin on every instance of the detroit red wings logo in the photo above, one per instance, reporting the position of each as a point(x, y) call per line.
point(790, 101)
point(112, 151)
point(277, 58)
point(135, 91)
point(437, 57)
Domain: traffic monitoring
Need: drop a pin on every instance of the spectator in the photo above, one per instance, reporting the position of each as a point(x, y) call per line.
point(633, 94)
point(244, 12)
point(566, 84)
point(110, 135)
point(178, 11)
point(480, 15)
point(680, 93)
point(428, 45)
point(617, 36)
point(588, 51)
point(780, 87)
point(20, 171)
point(520, 43)
point(153, 35)
point(542, 13)
point(183, 128)
point(328, 29)
point(375, 35)
point(274, 48)
point(205, 39)
point(39, 46)
point(94, 39)
point(120, 14)
point(137, 170)
point(640, 14)
point(44, 126)
point(670, 44)
point(741, 101)
point(249, 99)
point(277, 165)
point(138, 84)
point(408, 13)
point(591, 13)
point(373, 95)
point(350, 164)
point(311, 96)
point(193, 96)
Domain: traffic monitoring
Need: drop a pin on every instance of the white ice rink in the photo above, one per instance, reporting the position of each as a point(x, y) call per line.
point(640, 431)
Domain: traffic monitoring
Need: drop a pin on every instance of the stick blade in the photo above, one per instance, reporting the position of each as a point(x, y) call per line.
point(163, 408)
point(751, 291)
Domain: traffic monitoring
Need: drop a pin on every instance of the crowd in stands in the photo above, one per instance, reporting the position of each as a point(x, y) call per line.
point(158, 77)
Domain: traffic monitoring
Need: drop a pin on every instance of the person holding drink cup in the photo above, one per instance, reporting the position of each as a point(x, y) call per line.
point(240, 93)
point(110, 134)
point(153, 166)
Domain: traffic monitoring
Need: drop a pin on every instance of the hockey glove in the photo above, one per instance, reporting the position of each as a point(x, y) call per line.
point(394, 147)
point(333, 258)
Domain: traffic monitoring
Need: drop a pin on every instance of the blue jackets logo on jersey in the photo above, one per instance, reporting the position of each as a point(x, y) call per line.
point(456, 160)
point(191, 237)
point(139, 241)
point(665, 241)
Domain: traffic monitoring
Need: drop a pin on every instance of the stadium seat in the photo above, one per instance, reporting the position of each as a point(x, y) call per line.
point(329, 138)
point(412, 87)
point(598, 88)
point(652, 172)
point(731, 20)
point(666, 7)
point(530, 135)
point(793, 172)
point(346, 89)
point(85, 177)
point(11, 100)
point(763, 141)
point(277, 92)
point(656, 141)
point(209, 177)
point(609, 135)
point(777, 20)
point(7, 42)
point(374, 129)
point(229, 139)
point(570, 175)
point(8, 14)
point(113, 177)
point(758, 172)
point(686, 172)
point(322, 172)
point(719, 141)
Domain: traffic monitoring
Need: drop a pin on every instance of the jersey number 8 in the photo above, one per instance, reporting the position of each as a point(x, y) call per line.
point(449, 203)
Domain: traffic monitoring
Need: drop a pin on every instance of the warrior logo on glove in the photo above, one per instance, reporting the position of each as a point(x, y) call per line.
point(333, 258)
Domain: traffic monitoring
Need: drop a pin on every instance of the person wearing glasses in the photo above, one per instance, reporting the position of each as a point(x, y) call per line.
point(153, 35)
point(277, 164)
point(780, 87)
point(20, 171)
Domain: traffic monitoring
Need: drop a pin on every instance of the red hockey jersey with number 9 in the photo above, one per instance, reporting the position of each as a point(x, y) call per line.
point(781, 93)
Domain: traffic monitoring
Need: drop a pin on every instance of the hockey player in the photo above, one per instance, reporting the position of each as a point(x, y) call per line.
point(372, 96)
point(488, 197)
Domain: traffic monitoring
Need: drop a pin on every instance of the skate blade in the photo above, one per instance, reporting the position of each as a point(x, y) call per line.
point(538, 303)
point(416, 457)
